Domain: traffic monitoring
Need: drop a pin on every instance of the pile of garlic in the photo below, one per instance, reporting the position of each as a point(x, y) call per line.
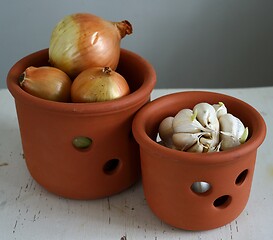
point(205, 128)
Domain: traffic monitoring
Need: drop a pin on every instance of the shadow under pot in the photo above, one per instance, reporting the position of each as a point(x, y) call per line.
point(196, 191)
point(82, 150)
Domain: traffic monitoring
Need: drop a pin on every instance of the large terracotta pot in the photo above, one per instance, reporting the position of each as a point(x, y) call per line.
point(48, 130)
point(169, 176)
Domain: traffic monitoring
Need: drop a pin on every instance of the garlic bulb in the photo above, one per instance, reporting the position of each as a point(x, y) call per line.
point(205, 128)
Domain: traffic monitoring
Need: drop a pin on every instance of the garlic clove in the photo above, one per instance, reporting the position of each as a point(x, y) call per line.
point(233, 131)
point(166, 130)
point(197, 147)
point(212, 141)
point(228, 141)
point(166, 144)
point(183, 141)
point(206, 115)
point(243, 138)
point(216, 148)
point(220, 109)
point(231, 124)
point(185, 121)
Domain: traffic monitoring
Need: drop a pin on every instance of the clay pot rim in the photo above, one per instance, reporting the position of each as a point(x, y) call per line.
point(98, 108)
point(223, 157)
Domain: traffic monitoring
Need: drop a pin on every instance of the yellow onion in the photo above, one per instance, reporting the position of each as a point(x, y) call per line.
point(46, 82)
point(98, 84)
point(82, 40)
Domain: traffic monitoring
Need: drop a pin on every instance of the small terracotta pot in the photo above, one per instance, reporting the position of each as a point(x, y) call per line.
point(169, 175)
point(111, 163)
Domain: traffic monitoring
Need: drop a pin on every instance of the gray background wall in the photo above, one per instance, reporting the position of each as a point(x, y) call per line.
point(191, 43)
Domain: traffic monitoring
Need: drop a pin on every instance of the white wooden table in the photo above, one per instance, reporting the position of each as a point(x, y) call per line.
point(27, 211)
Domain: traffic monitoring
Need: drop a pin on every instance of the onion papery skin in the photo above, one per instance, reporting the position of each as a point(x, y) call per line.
point(98, 85)
point(46, 82)
point(82, 40)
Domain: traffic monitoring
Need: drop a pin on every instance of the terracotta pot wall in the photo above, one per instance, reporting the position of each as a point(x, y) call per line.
point(111, 164)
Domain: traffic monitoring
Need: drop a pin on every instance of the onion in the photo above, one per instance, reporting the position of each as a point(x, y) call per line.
point(98, 84)
point(80, 41)
point(46, 82)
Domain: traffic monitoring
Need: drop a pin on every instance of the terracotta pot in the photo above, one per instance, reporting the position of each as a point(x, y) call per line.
point(169, 175)
point(48, 129)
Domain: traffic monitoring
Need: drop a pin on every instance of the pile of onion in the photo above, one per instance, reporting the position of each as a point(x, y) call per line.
point(84, 52)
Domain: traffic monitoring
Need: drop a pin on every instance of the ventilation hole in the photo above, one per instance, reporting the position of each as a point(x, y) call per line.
point(241, 177)
point(222, 201)
point(131, 135)
point(200, 187)
point(82, 142)
point(110, 166)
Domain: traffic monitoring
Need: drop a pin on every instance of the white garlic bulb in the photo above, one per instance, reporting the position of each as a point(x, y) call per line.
point(206, 128)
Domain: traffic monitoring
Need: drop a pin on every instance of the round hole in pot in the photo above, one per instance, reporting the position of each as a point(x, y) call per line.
point(241, 177)
point(131, 135)
point(111, 166)
point(222, 202)
point(82, 142)
point(200, 187)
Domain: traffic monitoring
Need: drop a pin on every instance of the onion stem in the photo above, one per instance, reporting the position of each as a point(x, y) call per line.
point(107, 70)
